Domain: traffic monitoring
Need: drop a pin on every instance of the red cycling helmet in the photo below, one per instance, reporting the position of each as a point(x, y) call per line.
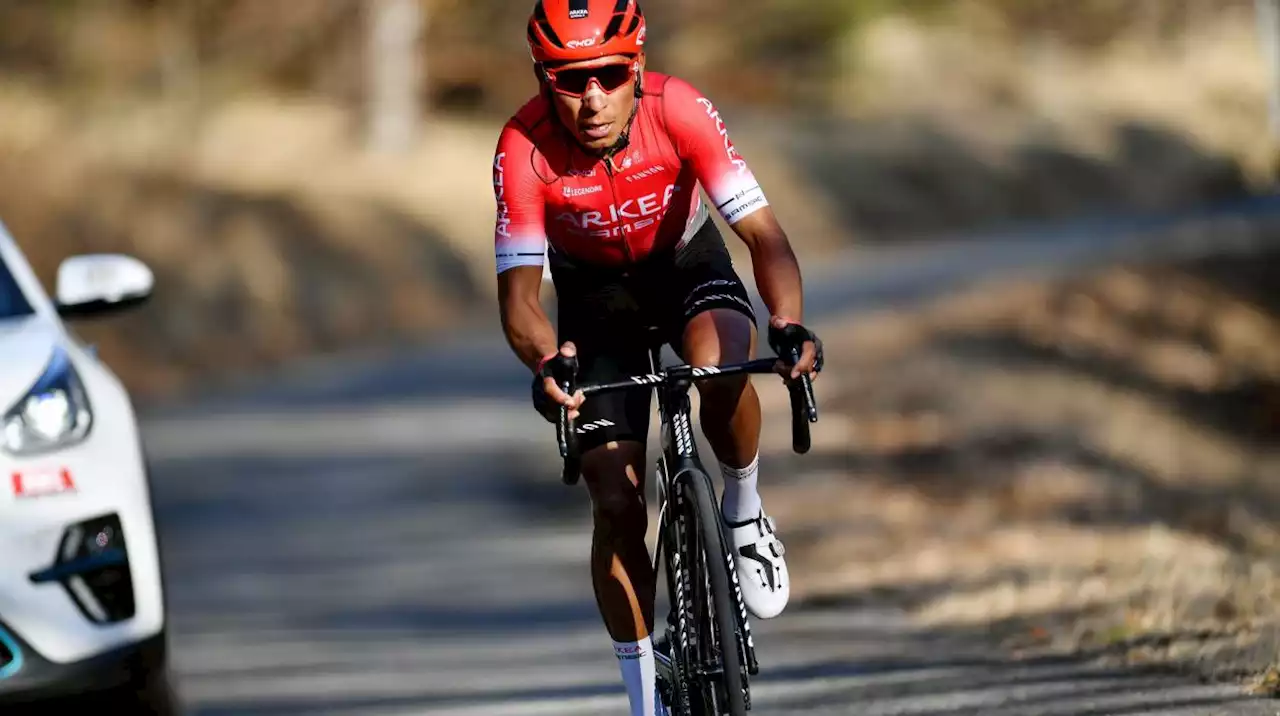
point(576, 30)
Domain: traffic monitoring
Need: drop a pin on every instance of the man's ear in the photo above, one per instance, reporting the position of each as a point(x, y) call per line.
point(638, 65)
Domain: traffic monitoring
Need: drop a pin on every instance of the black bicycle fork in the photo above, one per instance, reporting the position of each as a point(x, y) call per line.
point(680, 461)
point(690, 471)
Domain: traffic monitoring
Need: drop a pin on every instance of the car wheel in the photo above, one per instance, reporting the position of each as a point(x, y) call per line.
point(150, 692)
point(151, 695)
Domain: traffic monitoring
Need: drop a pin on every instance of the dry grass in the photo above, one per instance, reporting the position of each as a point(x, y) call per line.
point(1211, 84)
point(1088, 466)
point(244, 280)
point(276, 236)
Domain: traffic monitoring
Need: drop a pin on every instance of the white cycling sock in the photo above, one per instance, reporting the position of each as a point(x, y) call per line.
point(740, 501)
point(635, 660)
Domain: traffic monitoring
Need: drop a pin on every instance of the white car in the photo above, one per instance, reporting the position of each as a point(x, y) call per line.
point(82, 604)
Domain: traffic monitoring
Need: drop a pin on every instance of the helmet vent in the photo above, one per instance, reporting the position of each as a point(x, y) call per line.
point(540, 16)
point(619, 11)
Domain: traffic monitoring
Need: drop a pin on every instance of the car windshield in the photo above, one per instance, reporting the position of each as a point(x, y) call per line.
point(12, 302)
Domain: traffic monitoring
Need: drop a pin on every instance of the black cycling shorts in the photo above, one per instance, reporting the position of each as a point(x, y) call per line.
point(608, 313)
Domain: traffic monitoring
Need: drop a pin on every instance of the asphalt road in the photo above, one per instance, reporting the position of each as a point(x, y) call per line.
point(377, 535)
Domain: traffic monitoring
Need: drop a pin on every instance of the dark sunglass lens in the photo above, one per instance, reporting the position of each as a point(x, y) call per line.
point(613, 76)
point(573, 80)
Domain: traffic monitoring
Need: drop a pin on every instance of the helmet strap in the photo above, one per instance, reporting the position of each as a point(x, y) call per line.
point(624, 138)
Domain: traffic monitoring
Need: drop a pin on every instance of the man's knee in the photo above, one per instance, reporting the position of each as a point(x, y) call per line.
point(718, 337)
point(614, 476)
point(721, 335)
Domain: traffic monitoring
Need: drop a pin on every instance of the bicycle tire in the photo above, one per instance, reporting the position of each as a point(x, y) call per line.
point(697, 491)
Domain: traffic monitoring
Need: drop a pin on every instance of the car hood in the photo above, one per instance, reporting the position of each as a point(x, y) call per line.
point(26, 344)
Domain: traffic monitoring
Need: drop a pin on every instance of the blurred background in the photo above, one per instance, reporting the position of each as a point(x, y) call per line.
point(312, 177)
point(312, 181)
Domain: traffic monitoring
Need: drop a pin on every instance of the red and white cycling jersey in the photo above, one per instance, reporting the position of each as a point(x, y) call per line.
point(548, 189)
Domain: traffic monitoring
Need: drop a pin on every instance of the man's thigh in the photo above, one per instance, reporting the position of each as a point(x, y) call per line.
point(710, 316)
point(619, 415)
point(604, 322)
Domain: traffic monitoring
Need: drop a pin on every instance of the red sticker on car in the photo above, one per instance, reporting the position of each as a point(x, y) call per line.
point(42, 482)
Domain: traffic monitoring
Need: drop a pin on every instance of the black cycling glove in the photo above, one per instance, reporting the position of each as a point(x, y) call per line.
point(793, 336)
point(560, 369)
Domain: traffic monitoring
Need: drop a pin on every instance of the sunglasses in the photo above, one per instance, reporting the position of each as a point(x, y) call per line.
point(574, 82)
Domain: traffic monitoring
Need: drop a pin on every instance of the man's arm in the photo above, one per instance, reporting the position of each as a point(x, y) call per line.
point(774, 263)
point(528, 330)
point(777, 277)
point(520, 244)
point(700, 136)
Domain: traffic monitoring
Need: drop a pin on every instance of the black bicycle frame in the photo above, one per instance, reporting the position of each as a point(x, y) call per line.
point(679, 449)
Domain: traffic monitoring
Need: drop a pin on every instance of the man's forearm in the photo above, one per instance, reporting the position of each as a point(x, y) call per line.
point(778, 279)
point(529, 332)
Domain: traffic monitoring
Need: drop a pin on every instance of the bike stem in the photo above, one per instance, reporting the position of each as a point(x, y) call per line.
point(676, 381)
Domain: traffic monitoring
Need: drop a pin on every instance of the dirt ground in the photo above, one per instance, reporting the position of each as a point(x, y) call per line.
point(1086, 466)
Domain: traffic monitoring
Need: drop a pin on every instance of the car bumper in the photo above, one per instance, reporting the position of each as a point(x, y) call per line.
point(80, 571)
point(38, 678)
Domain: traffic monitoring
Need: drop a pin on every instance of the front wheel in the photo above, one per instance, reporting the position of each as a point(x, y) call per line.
point(717, 645)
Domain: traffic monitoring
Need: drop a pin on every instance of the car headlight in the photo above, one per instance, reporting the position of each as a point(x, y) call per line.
point(54, 413)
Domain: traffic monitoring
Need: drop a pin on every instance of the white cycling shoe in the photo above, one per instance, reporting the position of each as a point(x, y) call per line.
point(762, 572)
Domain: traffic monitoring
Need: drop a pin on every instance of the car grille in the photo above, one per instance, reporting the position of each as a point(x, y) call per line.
point(92, 565)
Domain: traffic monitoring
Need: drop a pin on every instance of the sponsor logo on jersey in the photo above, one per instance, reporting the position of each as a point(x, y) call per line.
point(582, 191)
point(503, 226)
point(729, 150)
point(631, 215)
point(646, 173)
point(742, 201)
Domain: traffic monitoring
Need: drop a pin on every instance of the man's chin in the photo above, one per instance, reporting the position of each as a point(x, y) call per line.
point(597, 145)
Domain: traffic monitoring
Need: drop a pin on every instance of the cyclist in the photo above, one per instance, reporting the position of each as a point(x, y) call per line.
point(597, 175)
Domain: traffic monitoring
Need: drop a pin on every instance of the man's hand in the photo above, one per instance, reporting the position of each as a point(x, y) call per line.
point(548, 397)
point(784, 335)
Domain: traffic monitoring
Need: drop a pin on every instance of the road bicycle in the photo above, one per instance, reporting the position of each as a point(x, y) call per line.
point(712, 655)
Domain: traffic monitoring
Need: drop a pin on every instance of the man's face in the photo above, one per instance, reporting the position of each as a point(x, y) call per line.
point(594, 98)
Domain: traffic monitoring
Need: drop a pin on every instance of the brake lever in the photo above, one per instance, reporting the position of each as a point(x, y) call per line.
point(567, 430)
point(800, 391)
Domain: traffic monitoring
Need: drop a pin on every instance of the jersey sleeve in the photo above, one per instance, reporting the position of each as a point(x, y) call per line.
point(519, 234)
point(701, 138)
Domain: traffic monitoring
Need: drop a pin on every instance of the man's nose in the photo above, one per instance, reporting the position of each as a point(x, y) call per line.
point(595, 99)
